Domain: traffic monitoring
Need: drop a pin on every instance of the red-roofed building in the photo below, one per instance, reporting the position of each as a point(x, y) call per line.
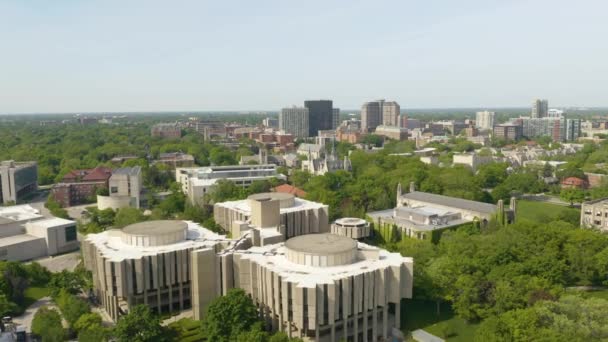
point(80, 186)
point(290, 189)
point(574, 182)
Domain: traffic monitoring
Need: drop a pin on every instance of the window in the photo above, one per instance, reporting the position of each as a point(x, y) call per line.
point(114, 189)
point(70, 233)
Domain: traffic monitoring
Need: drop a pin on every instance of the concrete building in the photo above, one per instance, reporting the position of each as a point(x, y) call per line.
point(484, 120)
point(295, 121)
point(371, 115)
point(175, 159)
point(296, 215)
point(425, 216)
point(152, 263)
point(198, 181)
point(125, 187)
point(271, 122)
point(540, 109)
point(390, 113)
point(329, 163)
point(508, 132)
point(392, 132)
point(471, 159)
point(594, 214)
point(354, 228)
point(320, 116)
point(27, 235)
point(211, 129)
point(80, 186)
point(326, 138)
point(335, 122)
point(325, 287)
point(313, 151)
point(166, 130)
point(17, 179)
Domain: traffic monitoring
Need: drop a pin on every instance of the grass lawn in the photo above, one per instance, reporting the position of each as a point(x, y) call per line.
point(542, 211)
point(31, 295)
point(420, 314)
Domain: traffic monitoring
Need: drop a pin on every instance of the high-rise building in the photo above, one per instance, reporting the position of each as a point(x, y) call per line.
point(320, 116)
point(403, 121)
point(17, 179)
point(379, 112)
point(295, 120)
point(540, 108)
point(371, 116)
point(335, 118)
point(508, 132)
point(484, 120)
point(390, 113)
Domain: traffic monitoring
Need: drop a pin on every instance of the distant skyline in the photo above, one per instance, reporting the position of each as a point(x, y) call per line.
point(67, 56)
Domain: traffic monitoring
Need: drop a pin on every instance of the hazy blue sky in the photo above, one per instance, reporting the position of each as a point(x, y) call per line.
point(127, 55)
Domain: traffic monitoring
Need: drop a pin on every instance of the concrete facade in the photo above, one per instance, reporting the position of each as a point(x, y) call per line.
point(17, 179)
point(320, 287)
point(419, 214)
point(324, 287)
point(297, 215)
point(125, 187)
point(27, 235)
point(149, 263)
point(484, 120)
point(354, 228)
point(594, 214)
point(198, 181)
point(166, 130)
point(294, 120)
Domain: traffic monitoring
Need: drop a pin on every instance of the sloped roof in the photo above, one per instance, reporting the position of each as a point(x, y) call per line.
point(453, 202)
point(290, 189)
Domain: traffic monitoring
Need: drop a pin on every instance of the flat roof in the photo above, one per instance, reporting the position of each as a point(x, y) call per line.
point(321, 244)
point(453, 202)
point(300, 204)
point(52, 222)
point(156, 227)
point(388, 215)
point(16, 239)
point(17, 213)
point(270, 196)
point(273, 257)
point(110, 245)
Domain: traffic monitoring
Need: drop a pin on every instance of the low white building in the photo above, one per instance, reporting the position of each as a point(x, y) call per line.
point(472, 160)
point(27, 235)
point(196, 182)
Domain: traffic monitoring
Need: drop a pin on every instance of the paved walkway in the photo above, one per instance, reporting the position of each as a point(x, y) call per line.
point(26, 318)
point(423, 336)
point(58, 263)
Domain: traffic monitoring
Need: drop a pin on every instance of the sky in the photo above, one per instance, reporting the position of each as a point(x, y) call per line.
point(132, 55)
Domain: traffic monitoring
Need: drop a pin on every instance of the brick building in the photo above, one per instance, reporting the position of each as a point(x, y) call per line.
point(79, 186)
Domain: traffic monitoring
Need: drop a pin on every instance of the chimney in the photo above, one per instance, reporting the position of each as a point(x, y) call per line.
point(412, 186)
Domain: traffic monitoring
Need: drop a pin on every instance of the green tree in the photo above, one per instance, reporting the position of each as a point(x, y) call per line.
point(6, 306)
point(47, 325)
point(14, 280)
point(87, 321)
point(94, 334)
point(127, 216)
point(71, 282)
point(572, 195)
point(139, 325)
point(230, 315)
point(71, 306)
